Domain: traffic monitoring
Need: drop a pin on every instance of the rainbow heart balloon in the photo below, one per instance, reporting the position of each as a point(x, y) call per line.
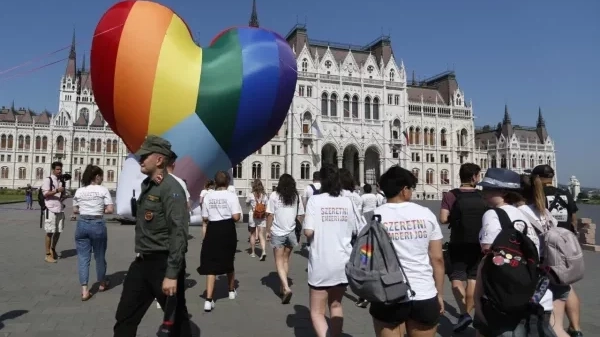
point(215, 105)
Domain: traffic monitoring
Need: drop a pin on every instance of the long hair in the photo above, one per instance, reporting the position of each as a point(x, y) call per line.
point(257, 187)
point(533, 191)
point(346, 180)
point(330, 180)
point(286, 188)
point(90, 173)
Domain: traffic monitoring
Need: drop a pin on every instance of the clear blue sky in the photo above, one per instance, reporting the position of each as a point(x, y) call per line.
point(521, 53)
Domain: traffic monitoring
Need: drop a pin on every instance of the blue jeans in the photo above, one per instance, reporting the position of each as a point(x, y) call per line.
point(91, 236)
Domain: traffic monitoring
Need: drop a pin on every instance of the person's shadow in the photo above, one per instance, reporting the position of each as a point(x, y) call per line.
point(11, 315)
point(67, 253)
point(301, 323)
point(272, 281)
point(114, 279)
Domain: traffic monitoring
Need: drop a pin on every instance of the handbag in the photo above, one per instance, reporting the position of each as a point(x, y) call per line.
point(298, 228)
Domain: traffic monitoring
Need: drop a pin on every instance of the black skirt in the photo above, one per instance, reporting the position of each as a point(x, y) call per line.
point(218, 248)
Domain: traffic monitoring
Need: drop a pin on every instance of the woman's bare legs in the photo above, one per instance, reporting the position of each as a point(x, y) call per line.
point(319, 300)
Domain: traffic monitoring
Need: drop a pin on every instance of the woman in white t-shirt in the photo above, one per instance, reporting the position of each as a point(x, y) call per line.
point(417, 240)
point(209, 186)
point(91, 202)
point(220, 211)
point(257, 217)
point(501, 189)
point(329, 224)
point(284, 212)
point(369, 200)
point(348, 189)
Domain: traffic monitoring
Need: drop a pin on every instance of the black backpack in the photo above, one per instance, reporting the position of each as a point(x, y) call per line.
point(315, 190)
point(510, 273)
point(465, 216)
point(41, 199)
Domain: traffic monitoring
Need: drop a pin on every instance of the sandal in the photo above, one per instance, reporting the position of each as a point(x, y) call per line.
point(286, 298)
point(104, 286)
point(86, 297)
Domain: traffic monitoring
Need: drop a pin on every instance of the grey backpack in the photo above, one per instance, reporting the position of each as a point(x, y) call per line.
point(374, 271)
point(561, 251)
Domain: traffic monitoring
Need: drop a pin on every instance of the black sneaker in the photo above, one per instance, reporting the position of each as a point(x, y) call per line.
point(361, 303)
point(463, 322)
point(574, 333)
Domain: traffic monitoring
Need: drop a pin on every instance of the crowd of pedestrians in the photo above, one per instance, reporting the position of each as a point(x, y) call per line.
point(502, 258)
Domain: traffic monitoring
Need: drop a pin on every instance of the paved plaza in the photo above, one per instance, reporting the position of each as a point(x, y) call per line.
point(41, 299)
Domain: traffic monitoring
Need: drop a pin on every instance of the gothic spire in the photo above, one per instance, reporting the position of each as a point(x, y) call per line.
point(254, 16)
point(540, 122)
point(83, 63)
point(506, 119)
point(72, 52)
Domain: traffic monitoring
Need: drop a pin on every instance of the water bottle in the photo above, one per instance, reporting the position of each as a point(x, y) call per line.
point(169, 317)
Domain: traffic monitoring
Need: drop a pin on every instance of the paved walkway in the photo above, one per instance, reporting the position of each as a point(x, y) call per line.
point(41, 299)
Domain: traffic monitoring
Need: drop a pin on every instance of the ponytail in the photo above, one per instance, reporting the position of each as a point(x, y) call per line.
point(539, 198)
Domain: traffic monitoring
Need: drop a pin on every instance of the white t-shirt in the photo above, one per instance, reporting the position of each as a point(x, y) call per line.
point(231, 189)
point(308, 191)
point(92, 199)
point(380, 198)
point(356, 200)
point(491, 228)
point(411, 227)
point(205, 192)
point(183, 185)
point(369, 202)
point(333, 220)
point(283, 215)
point(251, 199)
point(220, 205)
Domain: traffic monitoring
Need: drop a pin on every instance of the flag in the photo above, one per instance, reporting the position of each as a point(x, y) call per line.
point(405, 136)
point(316, 130)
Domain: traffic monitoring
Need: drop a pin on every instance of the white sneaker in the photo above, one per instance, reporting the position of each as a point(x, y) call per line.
point(209, 306)
point(232, 295)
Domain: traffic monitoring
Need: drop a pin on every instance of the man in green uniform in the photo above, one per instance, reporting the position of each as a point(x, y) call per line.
point(161, 232)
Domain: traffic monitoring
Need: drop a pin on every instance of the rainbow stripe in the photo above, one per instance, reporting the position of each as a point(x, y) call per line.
point(216, 105)
point(366, 252)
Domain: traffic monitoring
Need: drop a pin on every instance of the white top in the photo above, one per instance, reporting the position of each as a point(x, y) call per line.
point(412, 227)
point(220, 205)
point(369, 202)
point(283, 215)
point(333, 221)
point(92, 199)
point(183, 185)
point(251, 199)
point(356, 200)
point(380, 198)
point(491, 228)
point(308, 191)
point(205, 192)
point(231, 189)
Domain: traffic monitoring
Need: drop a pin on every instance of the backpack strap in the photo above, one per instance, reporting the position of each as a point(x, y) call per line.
point(314, 189)
point(506, 222)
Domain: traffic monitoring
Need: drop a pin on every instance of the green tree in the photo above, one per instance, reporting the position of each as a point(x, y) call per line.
point(583, 195)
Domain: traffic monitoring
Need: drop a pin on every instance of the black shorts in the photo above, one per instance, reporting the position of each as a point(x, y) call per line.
point(425, 312)
point(344, 285)
point(464, 260)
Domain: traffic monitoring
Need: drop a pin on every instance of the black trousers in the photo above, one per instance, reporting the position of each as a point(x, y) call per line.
point(142, 285)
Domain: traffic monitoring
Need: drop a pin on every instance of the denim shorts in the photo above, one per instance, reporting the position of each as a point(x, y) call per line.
point(288, 240)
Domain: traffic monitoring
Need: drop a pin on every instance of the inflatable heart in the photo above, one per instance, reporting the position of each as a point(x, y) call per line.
point(215, 105)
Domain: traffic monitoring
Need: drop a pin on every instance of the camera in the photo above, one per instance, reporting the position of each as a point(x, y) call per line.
point(64, 178)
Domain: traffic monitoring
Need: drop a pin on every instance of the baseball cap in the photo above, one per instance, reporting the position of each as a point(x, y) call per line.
point(543, 171)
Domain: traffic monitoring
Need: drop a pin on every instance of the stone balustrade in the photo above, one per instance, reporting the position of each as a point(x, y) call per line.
point(587, 234)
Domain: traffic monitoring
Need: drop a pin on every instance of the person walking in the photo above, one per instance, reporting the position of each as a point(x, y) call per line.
point(161, 229)
point(53, 190)
point(257, 215)
point(91, 202)
point(29, 196)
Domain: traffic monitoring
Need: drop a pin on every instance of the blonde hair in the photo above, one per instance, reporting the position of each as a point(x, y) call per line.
point(533, 191)
point(257, 187)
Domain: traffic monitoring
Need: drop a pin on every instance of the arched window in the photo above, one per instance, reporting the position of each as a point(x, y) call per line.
point(237, 171)
point(392, 75)
point(82, 144)
point(304, 65)
point(93, 145)
point(39, 173)
point(444, 177)
point(22, 173)
point(333, 105)
point(514, 161)
point(115, 146)
point(463, 137)
point(38, 143)
point(98, 145)
point(306, 122)
point(4, 172)
point(60, 143)
point(76, 145)
point(531, 162)
point(275, 171)
point(3, 142)
point(523, 162)
point(415, 172)
point(376, 108)
point(426, 136)
point(324, 104)
point(502, 161)
point(108, 147)
point(431, 136)
point(20, 142)
point(354, 106)
point(418, 136)
point(429, 178)
point(481, 163)
point(27, 142)
point(346, 106)
point(549, 161)
point(396, 127)
point(10, 142)
point(85, 113)
point(367, 107)
point(44, 143)
point(443, 138)
point(256, 171)
point(110, 176)
point(540, 160)
point(494, 162)
point(411, 135)
point(305, 171)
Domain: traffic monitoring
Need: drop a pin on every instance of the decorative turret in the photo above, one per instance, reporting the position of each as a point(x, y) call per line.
point(71, 70)
point(254, 16)
point(507, 128)
point(541, 127)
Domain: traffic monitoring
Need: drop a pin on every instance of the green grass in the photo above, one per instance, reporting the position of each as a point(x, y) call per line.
point(8, 198)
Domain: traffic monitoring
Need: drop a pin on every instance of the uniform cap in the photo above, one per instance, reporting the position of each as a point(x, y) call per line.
point(543, 171)
point(154, 144)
